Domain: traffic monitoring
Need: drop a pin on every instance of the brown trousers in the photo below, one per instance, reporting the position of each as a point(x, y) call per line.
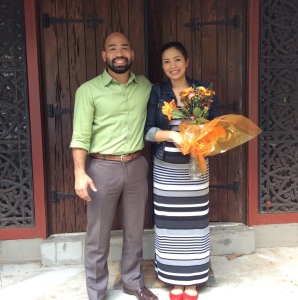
point(116, 182)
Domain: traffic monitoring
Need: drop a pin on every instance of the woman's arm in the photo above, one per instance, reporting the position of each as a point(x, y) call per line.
point(165, 135)
point(150, 124)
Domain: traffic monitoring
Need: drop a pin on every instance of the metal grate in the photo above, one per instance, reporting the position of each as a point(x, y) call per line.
point(278, 105)
point(16, 196)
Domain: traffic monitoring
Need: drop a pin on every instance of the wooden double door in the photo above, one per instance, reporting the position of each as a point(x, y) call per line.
point(71, 41)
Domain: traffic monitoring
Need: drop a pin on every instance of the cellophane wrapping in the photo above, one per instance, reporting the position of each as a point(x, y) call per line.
point(216, 136)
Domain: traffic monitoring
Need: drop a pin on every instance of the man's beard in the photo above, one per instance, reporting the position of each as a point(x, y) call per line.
point(119, 69)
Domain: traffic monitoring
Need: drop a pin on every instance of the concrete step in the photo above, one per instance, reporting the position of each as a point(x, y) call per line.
point(65, 249)
point(226, 238)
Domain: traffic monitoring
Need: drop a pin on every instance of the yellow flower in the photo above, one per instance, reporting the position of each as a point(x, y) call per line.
point(205, 92)
point(167, 109)
point(202, 91)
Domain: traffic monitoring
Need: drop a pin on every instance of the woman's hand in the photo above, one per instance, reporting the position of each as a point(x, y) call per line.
point(165, 135)
point(176, 137)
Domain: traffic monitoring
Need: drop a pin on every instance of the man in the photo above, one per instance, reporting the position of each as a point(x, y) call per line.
point(109, 118)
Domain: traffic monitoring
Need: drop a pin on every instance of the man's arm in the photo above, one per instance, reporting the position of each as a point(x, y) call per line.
point(82, 180)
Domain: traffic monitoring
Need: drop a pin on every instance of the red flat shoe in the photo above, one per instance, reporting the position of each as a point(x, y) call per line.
point(176, 296)
point(189, 297)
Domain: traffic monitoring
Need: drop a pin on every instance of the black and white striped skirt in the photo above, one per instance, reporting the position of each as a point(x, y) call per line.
point(181, 211)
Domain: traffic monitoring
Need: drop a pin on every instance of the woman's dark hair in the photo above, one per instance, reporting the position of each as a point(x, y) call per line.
point(176, 45)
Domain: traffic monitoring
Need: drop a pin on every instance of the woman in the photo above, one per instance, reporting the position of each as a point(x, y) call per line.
point(181, 205)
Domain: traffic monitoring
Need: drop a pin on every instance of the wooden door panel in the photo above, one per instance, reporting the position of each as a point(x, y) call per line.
point(216, 55)
point(71, 54)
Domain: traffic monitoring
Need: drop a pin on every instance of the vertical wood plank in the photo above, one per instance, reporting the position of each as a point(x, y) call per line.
point(209, 74)
point(220, 174)
point(243, 200)
point(103, 9)
point(62, 100)
point(209, 43)
point(196, 59)
point(136, 34)
point(120, 16)
point(154, 9)
point(235, 63)
point(90, 36)
point(50, 64)
point(169, 21)
point(183, 33)
point(74, 208)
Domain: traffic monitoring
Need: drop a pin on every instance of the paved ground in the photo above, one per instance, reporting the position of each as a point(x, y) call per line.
point(270, 273)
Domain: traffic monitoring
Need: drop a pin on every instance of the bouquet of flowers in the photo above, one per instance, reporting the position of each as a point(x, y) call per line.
point(196, 102)
point(202, 138)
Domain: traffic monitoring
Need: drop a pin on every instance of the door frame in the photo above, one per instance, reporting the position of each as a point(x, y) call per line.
point(254, 217)
point(33, 75)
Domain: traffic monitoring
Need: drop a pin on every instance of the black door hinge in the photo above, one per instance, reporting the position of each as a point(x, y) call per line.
point(53, 111)
point(235, 186)
point(195, 25)
point(56, 196)
point(91, 22)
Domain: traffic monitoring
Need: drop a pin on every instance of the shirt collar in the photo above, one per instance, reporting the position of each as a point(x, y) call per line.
point(108, 79)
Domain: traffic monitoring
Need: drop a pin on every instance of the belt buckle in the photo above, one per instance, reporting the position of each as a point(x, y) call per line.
point(121, 157)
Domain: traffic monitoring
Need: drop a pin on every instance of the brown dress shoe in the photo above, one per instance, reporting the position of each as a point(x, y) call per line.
point(141, 294)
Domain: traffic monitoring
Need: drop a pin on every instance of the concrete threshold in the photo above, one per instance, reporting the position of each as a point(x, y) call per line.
point(67, 249)
point(226, 238)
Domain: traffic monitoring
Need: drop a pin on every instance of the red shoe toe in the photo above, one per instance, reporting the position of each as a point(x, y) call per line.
point(189, 297)
point(176, 296)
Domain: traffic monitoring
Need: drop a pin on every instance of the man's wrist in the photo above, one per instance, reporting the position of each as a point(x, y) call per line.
point(79, 172)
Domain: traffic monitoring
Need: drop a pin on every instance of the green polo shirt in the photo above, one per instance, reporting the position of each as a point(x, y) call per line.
point(109, 118)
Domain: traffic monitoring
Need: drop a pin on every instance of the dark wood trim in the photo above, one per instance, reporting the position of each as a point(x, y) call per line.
point(254, 217)
point(39, 231)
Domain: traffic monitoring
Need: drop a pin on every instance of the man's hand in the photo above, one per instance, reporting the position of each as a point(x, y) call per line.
point(82, 182)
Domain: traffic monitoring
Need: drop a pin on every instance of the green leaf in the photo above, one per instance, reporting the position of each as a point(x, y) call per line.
point(202, 120)
point(192, 122)
point(197, 111)
point(177, 114)
point(183, 109)
point(210, 87)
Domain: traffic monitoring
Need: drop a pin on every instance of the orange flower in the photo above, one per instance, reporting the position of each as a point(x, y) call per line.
point(186, 92)
point(209, 93)
point(173, 105)
point(167, 109)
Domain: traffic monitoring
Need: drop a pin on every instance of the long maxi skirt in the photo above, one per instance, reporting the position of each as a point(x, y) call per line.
point(181, 212)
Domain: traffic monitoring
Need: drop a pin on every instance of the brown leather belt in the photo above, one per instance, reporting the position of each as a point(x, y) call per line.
point(122, 158)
